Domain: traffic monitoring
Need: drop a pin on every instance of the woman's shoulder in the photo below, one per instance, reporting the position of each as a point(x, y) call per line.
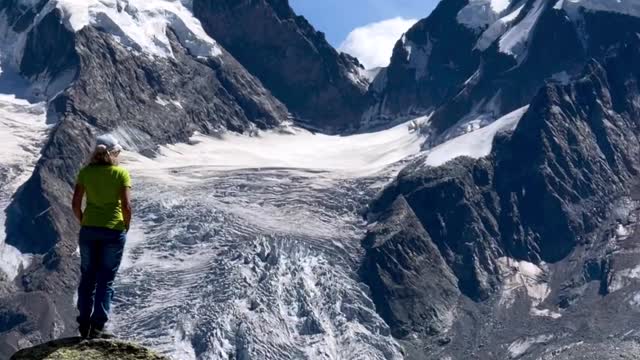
point(120, 169)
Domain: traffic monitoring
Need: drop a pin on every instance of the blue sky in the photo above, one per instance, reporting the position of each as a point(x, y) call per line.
point(337, 18)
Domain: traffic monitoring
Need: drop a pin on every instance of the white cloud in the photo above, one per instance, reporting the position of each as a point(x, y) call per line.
point(373, 44)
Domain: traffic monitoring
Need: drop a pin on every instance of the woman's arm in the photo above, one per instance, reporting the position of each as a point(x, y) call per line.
point(125, 199)
point(76, 203)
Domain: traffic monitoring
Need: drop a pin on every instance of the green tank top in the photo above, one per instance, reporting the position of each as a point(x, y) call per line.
point(103, 185)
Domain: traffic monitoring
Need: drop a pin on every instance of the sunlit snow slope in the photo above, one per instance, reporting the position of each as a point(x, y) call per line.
point(247, 247)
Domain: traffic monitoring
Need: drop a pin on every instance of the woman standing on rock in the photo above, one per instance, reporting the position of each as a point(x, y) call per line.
point(105, 222)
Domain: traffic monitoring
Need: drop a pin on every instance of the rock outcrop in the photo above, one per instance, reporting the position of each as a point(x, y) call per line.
point(549, 193)
point(78, 349)
point(413, 288)
point(320, 86)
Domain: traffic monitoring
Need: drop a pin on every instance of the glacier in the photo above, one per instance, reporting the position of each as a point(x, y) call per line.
point(249, 246)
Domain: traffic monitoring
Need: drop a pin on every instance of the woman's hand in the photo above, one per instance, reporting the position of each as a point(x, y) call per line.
point(76, 203)
point(125, 200)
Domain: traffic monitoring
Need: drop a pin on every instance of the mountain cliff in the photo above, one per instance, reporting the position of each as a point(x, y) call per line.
point(474, 61)
point(285, 52)
point(534, 233)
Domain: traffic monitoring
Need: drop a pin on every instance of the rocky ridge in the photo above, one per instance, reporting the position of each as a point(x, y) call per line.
point(285, 52)
point(472, 62)
point(543, 207)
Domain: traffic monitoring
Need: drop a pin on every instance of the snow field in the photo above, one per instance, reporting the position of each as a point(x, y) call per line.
point(475, 144)
point(344, 156)
point(139, 24)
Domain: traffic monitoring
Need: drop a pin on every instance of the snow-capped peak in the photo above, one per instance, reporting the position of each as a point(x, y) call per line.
point(139, 24)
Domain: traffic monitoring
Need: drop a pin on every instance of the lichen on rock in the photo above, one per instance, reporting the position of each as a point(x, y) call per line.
point(79, 349)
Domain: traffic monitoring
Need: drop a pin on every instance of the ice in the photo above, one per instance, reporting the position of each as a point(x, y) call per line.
point(475, 144)
point(514, 42)
point(347, 156)
point(139, 24)
point(248, 247)
point(497, 29)
point(204, 277)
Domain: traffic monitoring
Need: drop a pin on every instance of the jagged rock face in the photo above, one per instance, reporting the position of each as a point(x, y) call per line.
point(549, 193)
point(76, 348)
point(412, 286)
point(428, 65)
point(320, 86)
point(484, 64)
point(145, 100)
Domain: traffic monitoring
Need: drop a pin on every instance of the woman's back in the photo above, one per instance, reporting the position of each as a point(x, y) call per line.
point(103, 185)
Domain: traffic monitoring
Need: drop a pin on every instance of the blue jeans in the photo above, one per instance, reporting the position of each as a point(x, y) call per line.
point(100, 255)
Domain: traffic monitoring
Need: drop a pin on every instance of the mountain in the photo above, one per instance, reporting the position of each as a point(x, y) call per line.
point(285, 52)
point(478, 60)
point(499, 220)
point(515, 240)
point(146, 72)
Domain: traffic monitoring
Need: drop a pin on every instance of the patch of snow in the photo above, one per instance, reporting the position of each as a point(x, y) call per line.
point(514, 42)
point(500, 5)
point(161, 102)
point(359, 76)
point(478, 14)
point(352, 156)
point(133, 139)
point(475, 144)
point(624, 278)
point(497, 29)
point(622, 232)
point(522, 276)
point(521, 346)
point(139, 24)
point(545, 313)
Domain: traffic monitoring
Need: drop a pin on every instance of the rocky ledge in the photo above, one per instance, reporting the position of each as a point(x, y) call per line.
point(79, 349)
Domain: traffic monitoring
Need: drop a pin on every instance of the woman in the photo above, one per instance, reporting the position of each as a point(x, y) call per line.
point(105, 222)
